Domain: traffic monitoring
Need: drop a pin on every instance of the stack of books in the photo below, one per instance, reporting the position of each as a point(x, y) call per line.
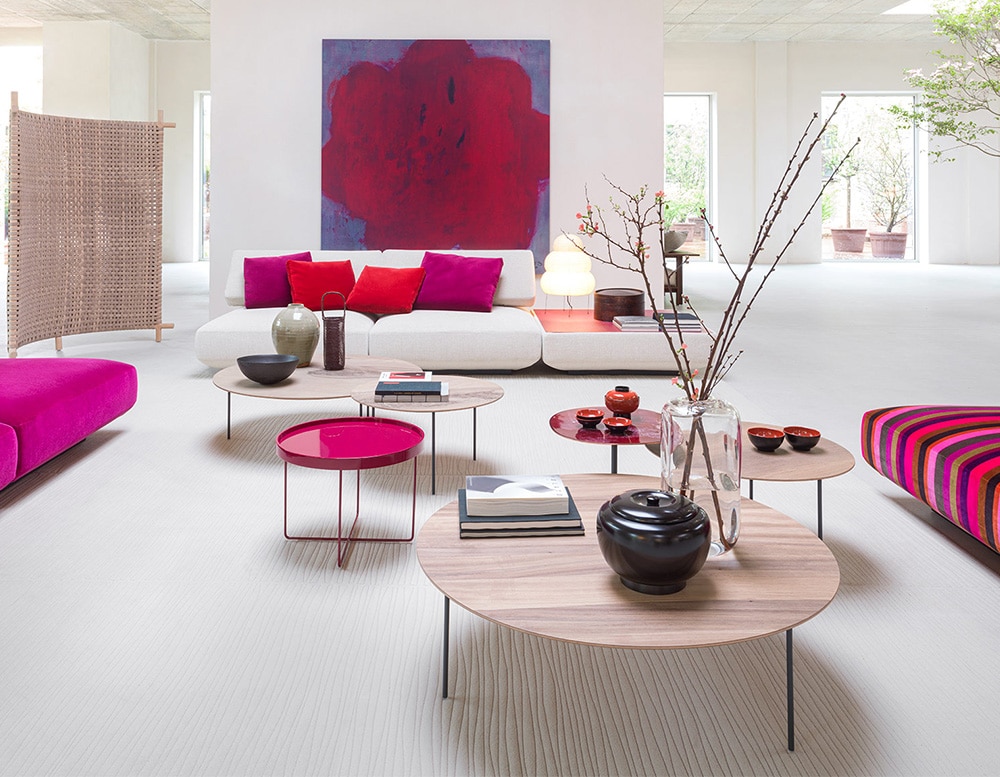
point(516, 506)
point(410, 387)
point(687, 322)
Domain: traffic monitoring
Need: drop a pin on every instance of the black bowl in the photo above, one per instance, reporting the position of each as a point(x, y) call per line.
point(764, 439)
point(267, 368)
point(801, 438)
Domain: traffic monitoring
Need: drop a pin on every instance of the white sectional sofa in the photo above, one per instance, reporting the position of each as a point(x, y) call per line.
point(507, 338)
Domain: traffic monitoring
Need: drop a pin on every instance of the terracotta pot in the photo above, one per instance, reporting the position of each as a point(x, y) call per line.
point(848, 241)
point(891, 245)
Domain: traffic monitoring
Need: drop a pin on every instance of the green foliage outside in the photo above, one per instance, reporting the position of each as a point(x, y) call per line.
point(685, 173)
point(960, 99)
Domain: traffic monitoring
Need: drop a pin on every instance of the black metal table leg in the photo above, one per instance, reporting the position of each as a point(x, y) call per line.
point(751, 489)
point(789, 681)
point(433, 453)
point(473, 434)
point(444, 652)
point(229, 414)
point(819, 509)
point(614, 459)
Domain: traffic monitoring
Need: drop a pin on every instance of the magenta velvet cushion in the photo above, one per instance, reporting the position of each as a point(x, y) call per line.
point(385, 290)
point(265, 280)
point(8, 454)
point(53, 404)
point(458, 282)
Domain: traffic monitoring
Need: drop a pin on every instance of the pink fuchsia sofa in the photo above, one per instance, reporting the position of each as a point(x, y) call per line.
point(49, 405)
point(946, 456)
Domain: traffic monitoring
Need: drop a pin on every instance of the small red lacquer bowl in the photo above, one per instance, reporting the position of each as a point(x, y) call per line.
point(589, 417)
point(617, 424)
point(802, 438)
point(765, 439)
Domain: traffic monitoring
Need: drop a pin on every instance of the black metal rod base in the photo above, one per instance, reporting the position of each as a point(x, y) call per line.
point(789, 682)
point(444, 653)
point(819, 509)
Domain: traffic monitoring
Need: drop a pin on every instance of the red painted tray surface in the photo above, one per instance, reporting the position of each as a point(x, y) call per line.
point(645, 429)
point(349, 443)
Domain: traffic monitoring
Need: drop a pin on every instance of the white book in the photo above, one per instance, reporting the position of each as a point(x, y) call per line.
point(515, 495)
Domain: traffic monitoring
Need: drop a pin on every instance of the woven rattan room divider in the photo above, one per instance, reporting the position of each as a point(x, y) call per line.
point(86, 200)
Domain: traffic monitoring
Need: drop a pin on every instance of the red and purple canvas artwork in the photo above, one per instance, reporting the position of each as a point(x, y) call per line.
point(435, 144)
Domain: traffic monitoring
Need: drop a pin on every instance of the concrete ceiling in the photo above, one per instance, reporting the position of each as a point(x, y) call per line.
point(684, 20)
point(155, 19)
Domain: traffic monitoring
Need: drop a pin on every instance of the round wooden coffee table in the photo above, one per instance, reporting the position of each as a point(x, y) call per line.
point(312, 382)
point(645, 430)
point(777, 577)
point(464, 393)
point(786, 465)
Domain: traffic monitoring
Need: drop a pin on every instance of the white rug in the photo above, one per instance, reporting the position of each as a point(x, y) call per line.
point(155, 621)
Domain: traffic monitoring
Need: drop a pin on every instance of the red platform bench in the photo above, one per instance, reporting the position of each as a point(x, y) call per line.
point(946, 456)
point(49, 405)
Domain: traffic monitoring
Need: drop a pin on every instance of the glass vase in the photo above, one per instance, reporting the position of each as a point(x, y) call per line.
point(295, 331)
point(700, 456)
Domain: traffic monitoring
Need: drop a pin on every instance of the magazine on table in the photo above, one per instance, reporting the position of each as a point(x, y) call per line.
point(404, 375)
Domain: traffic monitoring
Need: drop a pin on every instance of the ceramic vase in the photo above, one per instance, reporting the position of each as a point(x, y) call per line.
point(700, 458)
point(296, 331)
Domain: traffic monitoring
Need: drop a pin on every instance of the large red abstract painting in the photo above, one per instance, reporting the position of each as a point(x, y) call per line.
point(435, 144)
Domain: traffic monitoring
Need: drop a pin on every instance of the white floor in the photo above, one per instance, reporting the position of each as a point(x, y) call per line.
point(155, 621)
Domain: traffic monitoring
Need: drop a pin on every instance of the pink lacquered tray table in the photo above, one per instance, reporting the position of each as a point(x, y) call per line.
point(350, 444)
point(645, 429)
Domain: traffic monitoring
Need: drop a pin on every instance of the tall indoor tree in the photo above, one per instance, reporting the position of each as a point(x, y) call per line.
point(960, 100)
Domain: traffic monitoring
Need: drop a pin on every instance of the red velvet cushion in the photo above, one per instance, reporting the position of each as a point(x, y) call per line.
point(310, 280)
point(265, 280)
point(384, 290)
point(458, 282)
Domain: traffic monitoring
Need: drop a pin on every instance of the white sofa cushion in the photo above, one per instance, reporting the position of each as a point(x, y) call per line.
point(506, 338)
point(242, 332)
point(618, 351)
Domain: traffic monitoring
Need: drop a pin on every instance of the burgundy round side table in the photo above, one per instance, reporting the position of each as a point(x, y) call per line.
point(645, 429)
point(350, 444)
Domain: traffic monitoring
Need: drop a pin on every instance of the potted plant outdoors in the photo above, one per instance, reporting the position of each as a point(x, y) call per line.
point(885, 177)
point(846, 239)
point(700, 434)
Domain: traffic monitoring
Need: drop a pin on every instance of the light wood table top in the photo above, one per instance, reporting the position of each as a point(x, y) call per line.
point(778, 576)
point(463, 393)
point(313, 382)
point(826, 460)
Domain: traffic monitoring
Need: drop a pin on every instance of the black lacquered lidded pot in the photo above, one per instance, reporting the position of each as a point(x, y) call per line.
point(655, 540)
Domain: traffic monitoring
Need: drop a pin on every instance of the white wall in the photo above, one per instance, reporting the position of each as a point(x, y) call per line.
point(95, 70)
point(766, 93)
point(606, 106)
point(99, 70)
point(180, 70)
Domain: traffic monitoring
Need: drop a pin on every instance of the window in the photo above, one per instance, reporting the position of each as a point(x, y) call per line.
point(869, 211)
point(203, 157)
point(688, 164)
point(21, 72)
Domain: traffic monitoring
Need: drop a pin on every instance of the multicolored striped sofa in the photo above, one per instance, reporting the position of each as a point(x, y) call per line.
point(946, 456)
